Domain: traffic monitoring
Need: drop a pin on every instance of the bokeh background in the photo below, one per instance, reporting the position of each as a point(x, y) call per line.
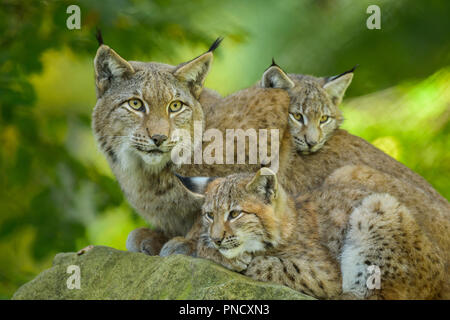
point(56, 190)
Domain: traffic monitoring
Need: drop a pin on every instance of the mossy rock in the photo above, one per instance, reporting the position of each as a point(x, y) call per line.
point(107, 273)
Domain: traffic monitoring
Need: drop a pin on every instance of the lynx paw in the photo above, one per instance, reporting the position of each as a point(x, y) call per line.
point(145, 241)
point(178, 245)
point(240, 263)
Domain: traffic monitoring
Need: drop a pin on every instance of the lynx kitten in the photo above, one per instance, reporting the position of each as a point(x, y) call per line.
point(323, 242)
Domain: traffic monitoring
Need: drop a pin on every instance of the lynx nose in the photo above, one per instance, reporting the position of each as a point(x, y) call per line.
point(310, 143)
point(217, 241)
point(158, 139)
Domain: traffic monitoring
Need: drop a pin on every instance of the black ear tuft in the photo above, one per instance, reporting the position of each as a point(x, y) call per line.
point(275, 77)
point(99, 37)
point(273, 64)
point(215, 45)
point(354, 68)
point(342, 74)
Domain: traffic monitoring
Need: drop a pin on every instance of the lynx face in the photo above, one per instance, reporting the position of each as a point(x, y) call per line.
point(141, 107)
point(239, 212)
point(313, 112)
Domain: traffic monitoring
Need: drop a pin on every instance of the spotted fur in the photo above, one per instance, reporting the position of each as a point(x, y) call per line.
point(300, 171)
point(137, 142)
point(323, 242)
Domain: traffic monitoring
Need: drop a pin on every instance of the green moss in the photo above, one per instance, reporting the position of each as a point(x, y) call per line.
point(108, 273)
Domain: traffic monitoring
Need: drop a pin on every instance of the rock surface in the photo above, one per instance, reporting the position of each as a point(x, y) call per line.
point(106, 273)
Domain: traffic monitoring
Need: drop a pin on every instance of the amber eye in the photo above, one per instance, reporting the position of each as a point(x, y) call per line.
point(324, 119)
point(175, 106)
point(298, 116)
point(233, 214)
point(210, 215)
point(136, 104)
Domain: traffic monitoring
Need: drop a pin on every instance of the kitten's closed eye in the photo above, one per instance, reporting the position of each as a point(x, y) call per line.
point(209, 215)
point(234, 214)
point(297, 117)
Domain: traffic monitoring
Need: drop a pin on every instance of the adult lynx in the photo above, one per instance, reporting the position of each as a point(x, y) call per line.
point(139, 108)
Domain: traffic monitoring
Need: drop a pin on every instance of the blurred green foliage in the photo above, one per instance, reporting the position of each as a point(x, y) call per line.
point(57, 193)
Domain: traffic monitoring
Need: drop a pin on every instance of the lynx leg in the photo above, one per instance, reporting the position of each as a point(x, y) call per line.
point(179, 245)
point(386, 256)
point(184, 245)
point(146, 241)
point(313, 274)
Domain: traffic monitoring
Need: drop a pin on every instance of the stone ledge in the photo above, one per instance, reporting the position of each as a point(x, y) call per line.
point(107, 273)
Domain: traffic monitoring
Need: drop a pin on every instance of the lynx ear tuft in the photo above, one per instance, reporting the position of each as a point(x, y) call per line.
point(215, 44)
point(274, 64)
point(195, 185)
point(265, 184)
point(108, 67)
point(337, 85)
point(275, 77)
point(99, 37)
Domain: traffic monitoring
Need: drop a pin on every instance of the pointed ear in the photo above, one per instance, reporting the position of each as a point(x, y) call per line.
point(195, 185)
point(109, 66)
point(275, 77)
point(337, 85)
point(265, 184)
point(194, 72)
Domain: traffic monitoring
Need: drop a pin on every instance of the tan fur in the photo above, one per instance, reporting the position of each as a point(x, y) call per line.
point(252, 108)
point(300, 170)
point(304, 170)
point(330, 237)
point(154, 191)
point(129, 137)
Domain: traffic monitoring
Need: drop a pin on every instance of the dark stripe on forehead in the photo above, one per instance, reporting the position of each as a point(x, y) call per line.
point(158, 87)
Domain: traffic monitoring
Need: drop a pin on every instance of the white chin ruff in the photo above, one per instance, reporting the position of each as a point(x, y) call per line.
point(154, 162)
point(232, 253)
point(154, 159)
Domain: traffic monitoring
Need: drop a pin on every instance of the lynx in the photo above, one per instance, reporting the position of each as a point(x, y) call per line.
point(139, 108)
point(318, 145)
point(323, 242)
